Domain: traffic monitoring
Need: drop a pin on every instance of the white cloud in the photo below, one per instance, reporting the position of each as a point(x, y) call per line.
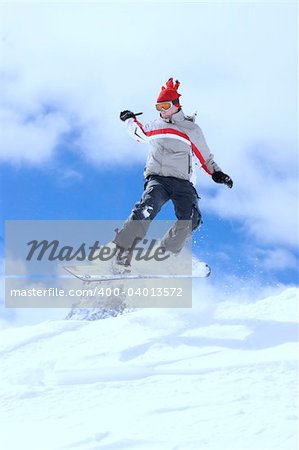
point(278, 258)
point(30, 140)
point(93, 60)
point(263, 198)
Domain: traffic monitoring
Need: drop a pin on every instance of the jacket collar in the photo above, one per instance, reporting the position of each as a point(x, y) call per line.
point(177, 117)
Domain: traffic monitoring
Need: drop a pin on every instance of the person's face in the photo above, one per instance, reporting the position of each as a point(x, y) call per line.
point(166, 114)
point(166, 109)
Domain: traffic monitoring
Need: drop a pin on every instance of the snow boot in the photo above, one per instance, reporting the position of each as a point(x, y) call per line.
point(121, 262)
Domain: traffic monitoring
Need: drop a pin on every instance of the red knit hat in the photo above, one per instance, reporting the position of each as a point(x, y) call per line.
point(169, 93)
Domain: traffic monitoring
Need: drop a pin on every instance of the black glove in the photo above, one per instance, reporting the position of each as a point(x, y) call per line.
point(124, 115)
point(220, 177)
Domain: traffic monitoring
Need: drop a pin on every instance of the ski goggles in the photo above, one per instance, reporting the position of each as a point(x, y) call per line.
point(164, 106)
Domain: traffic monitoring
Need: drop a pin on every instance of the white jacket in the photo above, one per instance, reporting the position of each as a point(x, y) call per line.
point(173, 144)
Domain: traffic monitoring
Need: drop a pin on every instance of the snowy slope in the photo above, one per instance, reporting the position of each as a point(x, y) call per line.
point(217, 377)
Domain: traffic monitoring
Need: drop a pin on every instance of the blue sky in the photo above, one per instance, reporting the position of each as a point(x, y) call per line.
point(64, 154)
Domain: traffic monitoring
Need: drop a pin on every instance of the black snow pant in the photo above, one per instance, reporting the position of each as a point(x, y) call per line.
point(157, 191)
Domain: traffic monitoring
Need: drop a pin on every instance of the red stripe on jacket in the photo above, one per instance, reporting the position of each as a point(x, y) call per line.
point(195, 150)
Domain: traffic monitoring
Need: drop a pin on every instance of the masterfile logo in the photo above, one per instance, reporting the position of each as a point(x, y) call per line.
point(141, 249)
point(46, 261)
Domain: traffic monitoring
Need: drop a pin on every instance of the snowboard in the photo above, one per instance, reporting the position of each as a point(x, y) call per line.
point(90, 273)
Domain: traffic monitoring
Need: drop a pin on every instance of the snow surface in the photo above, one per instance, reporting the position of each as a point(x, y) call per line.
point(220, 376)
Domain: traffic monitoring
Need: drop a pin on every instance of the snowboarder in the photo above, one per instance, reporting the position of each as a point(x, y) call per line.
point(174, 139)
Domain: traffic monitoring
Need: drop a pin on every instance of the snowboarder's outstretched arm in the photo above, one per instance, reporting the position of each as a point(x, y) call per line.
point(135, 129)
point(203, 154)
